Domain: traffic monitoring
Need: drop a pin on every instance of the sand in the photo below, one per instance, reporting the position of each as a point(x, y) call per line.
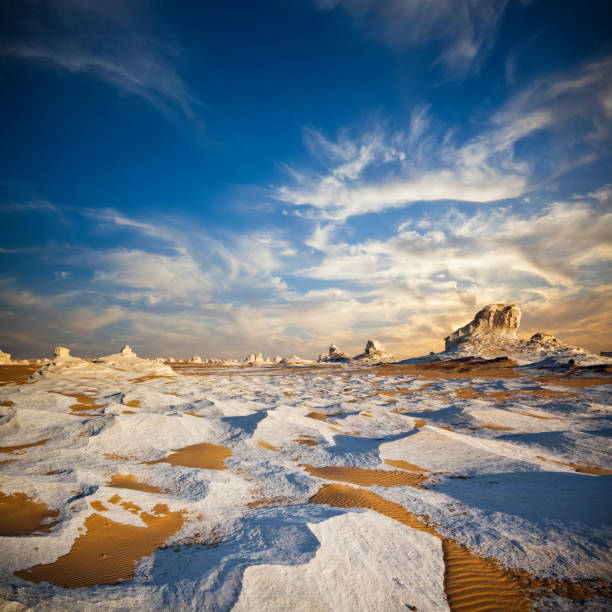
point(204, 455)
point(108, 551)
point(366, 478)
point(21, 515)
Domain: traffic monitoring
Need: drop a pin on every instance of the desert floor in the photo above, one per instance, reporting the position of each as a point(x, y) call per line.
point(461, 484)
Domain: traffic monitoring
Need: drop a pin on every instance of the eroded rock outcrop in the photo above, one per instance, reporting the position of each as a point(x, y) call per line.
point(493, 333)
point(5, 358)
point(127, 360)
point(374, 352)
point(501, 320)
point(334, 354)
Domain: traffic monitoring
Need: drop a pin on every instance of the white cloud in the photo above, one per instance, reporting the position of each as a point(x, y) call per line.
point(231, 297)
point(113, 41)
point(381, 168)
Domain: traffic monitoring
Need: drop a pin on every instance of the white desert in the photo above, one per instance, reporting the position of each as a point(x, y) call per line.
point(478, 478)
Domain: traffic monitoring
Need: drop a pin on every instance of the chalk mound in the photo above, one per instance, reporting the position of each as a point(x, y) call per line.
point(5, 358)
point(127, 360)
point(196, 359)
point(374, 352)
point(501, 320)
point(334, 354)
point(63, 363)
point(295, 360)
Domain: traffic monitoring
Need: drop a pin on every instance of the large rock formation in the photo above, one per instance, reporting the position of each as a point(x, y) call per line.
point(374, 352)
point(334, 354)
point(493, 333)
point(5, 358)
point(500, 320)
point(126, 360)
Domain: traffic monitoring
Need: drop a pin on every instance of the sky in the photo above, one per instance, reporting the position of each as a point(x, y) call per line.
point(221, 178)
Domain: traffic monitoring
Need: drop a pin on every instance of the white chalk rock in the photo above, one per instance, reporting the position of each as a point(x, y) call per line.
point(196, 359)
point(374, 352)
point(127, 360)
point(61, 352)
point(5, 358)
point(501, 320)
point(334, 354)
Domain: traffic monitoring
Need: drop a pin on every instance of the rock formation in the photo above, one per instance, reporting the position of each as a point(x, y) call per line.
point(374, 352)
point(61, 352)
point(196, 359)
point(334, 354)
point(493, 333)
point(127, 360)
point(5, 358)
point(501, 320)
point(542, 338)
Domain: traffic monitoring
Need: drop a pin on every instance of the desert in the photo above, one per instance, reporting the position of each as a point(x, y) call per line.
point(475, 478)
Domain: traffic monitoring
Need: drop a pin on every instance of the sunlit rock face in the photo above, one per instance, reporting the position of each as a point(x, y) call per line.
point(5, 358)
point(61, 352)
point(501, 320)
point(196, 359)
point(254, 358)
point(374, 351)
point(333, 354)
point(542, 338)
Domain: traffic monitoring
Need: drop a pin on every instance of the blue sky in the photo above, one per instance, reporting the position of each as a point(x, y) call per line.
point(221, 178)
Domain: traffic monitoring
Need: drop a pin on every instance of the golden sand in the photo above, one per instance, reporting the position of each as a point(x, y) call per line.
point(319, 416)
point(577, 382)
point(98, 505)
point(419, 423)
point(582, 469)
point(21, 515)
point(193, 414)
point(456, 368)
point(128, 481)
point(203, 455)
point(7, 403)
point(470, 583)
point(496, 427)
point(506, 396)
point(149, 377)
point(404, 465)
point(306, 442)
point(84, 403)
point(108, 551)
point(266, 445)
point(366, 478)
point(135, 403)
point(269, 501)
point(19, 447)
point(16, 374)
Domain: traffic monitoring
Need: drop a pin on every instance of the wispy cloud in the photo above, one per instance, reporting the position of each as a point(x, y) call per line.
point(114, 41)
point(188, 293)
point(466, 30)
point(381, 168)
